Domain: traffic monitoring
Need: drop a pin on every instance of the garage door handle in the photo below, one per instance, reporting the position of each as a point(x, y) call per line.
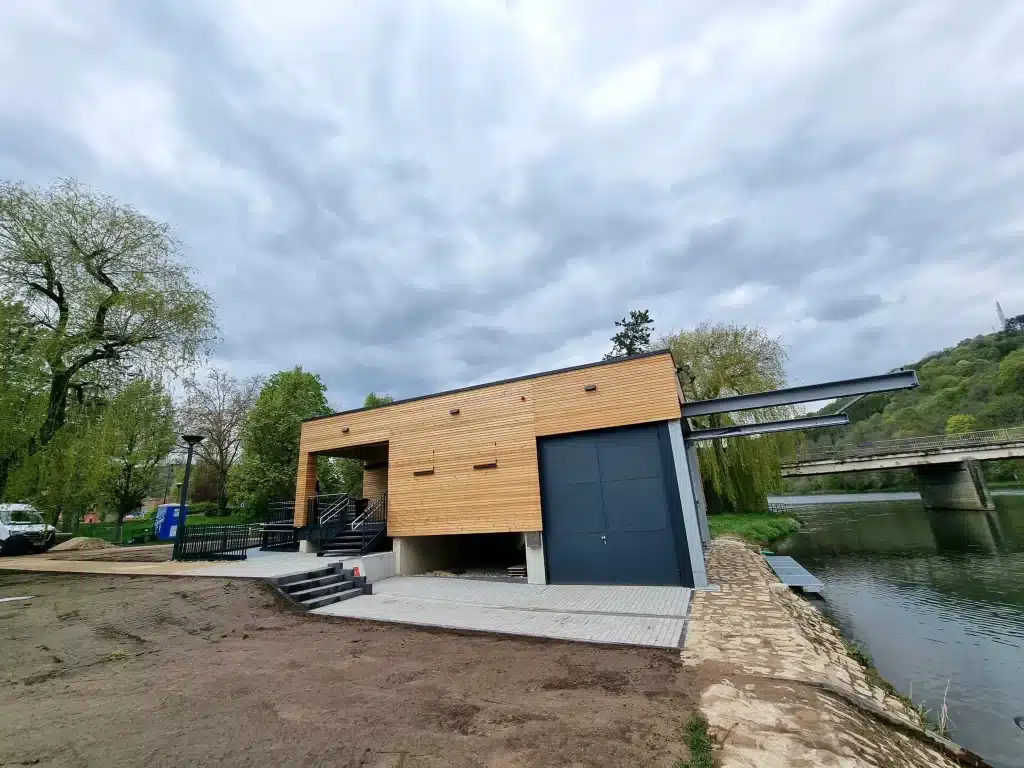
point(604, 538)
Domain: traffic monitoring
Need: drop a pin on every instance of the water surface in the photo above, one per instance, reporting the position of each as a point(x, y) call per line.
point(933, 596)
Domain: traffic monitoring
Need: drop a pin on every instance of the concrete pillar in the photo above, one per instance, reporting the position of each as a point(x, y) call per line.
point(688, 498)
point(958, 485)
point(536, 571)
point(698, 493)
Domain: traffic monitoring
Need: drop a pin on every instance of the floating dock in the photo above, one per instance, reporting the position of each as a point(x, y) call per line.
point(792, 574)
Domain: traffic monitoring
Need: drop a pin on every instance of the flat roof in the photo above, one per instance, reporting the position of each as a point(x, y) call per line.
point(609, 361)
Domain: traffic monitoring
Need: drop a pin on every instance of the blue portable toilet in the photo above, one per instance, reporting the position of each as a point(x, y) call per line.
point(165, 526)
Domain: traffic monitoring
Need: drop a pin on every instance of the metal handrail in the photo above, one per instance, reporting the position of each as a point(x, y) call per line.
point(907, 444)
point(331, 507)
point(375, 521)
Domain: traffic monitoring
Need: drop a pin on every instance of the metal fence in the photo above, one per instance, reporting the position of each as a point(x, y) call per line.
point(218, 542)
point(278, 527)
point(990, 437)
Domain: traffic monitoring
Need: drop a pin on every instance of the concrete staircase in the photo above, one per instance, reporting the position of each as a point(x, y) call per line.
point(324, 586)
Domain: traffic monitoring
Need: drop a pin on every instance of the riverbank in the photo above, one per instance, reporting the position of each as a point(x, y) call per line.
point(787, 689)
point(755, 527)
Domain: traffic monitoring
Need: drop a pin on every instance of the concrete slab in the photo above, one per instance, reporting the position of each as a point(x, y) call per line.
point(643, 616)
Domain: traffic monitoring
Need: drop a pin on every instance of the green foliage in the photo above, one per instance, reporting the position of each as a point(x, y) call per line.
point(756, 527)
point(718, 360)
point(635, 336)
point(104, 289)
point(207, 508)
point(270, 440)
point(980, 378)
point(135, 434)
point(961, 424)
point(373, 400)
point(699, 742)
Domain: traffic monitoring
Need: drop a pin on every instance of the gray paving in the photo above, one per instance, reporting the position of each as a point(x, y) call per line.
point(643, 616)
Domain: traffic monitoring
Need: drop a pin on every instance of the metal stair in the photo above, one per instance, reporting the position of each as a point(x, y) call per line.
point(324, 586)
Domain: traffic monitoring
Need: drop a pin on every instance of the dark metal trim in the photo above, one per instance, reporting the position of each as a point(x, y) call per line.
point(806, 394)
point(422, 472)
point(488, 465)
point(786, 425)
point(590, 387)
point(610, 361)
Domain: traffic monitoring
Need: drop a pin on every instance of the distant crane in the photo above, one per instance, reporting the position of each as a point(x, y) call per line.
point(1002, 317)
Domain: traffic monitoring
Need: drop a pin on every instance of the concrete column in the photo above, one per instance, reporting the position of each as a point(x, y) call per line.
point(698, 493)
point(687, 496)
point(958, 485)
point(536, 571)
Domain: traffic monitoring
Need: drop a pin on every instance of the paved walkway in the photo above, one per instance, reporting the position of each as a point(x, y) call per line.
point(258, 564)
point(643, 616)
point(784, 690)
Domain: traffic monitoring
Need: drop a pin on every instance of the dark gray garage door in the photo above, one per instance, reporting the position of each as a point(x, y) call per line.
point(611, 511)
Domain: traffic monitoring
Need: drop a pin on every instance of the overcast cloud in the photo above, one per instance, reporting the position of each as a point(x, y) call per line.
point(412, 196)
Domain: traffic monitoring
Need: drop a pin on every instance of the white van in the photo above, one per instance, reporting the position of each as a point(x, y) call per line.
point(23, 530)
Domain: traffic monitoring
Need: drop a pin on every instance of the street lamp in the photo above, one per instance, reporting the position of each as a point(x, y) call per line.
point(179, 533)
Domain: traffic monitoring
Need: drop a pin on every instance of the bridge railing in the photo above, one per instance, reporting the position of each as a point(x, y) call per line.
point(989, 437)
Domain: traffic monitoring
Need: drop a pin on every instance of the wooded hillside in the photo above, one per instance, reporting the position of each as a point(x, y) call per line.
point(976, 385)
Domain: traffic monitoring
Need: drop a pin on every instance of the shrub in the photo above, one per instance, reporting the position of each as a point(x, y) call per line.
point(208, 508)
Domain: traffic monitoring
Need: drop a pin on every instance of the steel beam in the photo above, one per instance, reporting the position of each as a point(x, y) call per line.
point(806, 394)
point(787, 425)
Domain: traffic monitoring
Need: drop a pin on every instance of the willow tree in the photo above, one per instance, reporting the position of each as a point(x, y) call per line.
point(104, 289)
point(719, 360)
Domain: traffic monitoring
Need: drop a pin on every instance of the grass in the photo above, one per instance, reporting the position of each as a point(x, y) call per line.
point(133, 528)
point(699, 741)
point(755, 527)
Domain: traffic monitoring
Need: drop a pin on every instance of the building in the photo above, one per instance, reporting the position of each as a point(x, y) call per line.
point(581, 472)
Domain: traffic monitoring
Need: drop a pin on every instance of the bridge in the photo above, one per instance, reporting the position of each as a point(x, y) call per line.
point(947, 466)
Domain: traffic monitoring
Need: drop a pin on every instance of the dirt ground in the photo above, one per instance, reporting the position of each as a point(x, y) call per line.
point(122, 670)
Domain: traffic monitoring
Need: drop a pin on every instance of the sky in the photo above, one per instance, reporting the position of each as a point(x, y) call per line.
point(407, 197)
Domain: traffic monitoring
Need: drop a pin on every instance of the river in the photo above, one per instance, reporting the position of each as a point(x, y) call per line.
point(932, 596)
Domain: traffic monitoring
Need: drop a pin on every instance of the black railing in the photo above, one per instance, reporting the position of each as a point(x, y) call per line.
point(217, 542)
point(331, 515)
point(373, 523)
point(278, 527)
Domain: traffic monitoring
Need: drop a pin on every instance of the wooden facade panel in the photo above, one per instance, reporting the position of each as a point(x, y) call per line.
point(631, 392)
point(499, 423)
point(375, 482)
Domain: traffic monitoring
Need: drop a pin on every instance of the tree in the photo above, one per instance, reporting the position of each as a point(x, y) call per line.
point(635, 336)
point(960, 424)
point(135, 435)
point(1014, 324)
point(270, 439)
point(102, 285)
point(22, 385)
point(217, 408)
point(1010, 379)
point(718, 360)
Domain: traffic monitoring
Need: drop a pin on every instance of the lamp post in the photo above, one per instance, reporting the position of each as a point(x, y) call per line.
point(179, 533)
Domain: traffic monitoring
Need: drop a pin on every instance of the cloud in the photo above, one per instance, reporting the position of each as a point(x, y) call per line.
point(408, 197)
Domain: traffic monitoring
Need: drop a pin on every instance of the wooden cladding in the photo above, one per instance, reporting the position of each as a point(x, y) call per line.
point(434, 480)
point(375, 481)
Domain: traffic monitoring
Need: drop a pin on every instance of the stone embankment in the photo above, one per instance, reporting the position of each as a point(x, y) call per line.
point(781, 687)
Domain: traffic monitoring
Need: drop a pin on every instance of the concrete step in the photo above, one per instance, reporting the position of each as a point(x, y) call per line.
point(326, 589)
point(336, 597)
point(316, 573)
point(298, 587)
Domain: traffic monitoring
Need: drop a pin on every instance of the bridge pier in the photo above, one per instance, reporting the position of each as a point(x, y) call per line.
point(957, 485)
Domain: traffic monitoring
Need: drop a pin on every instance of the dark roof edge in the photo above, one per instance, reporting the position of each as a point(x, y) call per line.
point(514, 379)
